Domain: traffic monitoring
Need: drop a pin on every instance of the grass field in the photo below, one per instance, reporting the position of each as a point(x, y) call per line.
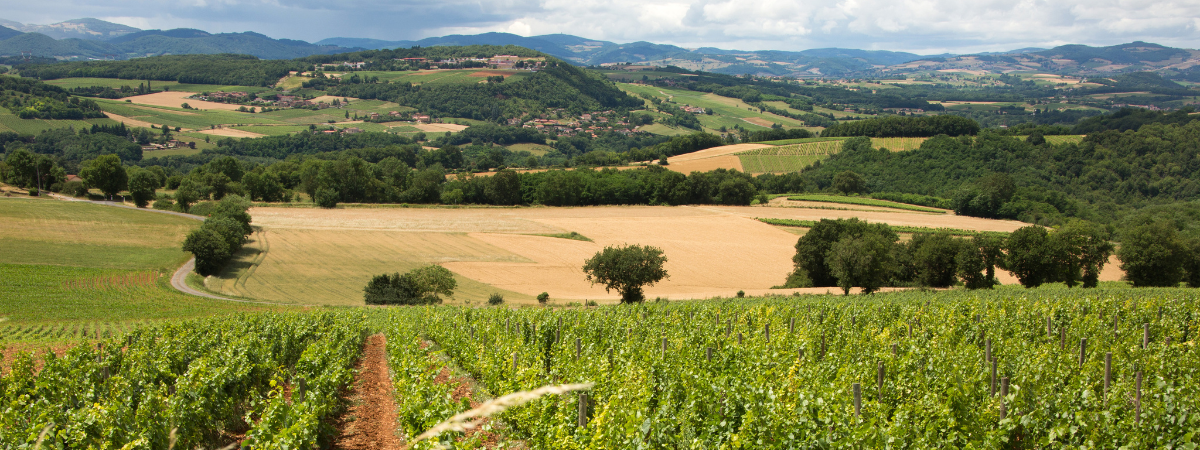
point(727, 112)
point(862, 201)
point(10, 122)
point(70, 269)
point(179, 117)
point(535, 149)
point(1065, 139)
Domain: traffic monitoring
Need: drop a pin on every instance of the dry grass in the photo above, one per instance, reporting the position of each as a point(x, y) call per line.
point(173, 99)
point(712, 158)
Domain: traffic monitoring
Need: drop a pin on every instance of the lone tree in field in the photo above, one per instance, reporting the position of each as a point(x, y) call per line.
point(627, 269)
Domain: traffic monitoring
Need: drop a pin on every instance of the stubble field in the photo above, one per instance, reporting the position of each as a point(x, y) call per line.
point(316, 256)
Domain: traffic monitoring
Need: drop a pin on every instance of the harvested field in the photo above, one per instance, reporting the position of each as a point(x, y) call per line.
point(330, 99)
point(173, 99)
point(322, 256)
point(712, 158)
point(439, 127)
point(758, 121)
point(231, 132)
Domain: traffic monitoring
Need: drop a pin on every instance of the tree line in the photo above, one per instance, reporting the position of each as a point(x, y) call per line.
point(905, 126)
point(222, 235)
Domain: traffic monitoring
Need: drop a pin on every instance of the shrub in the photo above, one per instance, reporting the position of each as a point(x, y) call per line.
point(164, 204)
point(75, 189)
point(741, 294)
point(495, 299)
point(326, 198)
point(419, 286)
point(590, 303)
point(33, 192)
point(543, 297)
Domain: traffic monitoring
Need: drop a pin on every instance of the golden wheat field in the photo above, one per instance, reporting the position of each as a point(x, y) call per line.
point(325, 257)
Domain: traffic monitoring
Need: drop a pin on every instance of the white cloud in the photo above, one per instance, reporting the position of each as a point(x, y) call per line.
point(926, 26)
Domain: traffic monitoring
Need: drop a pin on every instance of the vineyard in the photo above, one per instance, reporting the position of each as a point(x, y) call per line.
point(898, 144)
point(1010, 368)
point(787, 158)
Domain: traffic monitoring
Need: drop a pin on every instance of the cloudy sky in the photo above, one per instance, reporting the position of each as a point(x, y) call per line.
point(922, 26)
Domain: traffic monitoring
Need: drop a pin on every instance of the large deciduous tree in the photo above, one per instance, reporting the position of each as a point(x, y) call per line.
point(1153, 255)
point(627, 269)
point(142, 184)
point(106, 174)
point(864, 261)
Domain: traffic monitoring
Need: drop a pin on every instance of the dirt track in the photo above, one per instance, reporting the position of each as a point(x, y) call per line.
point(370, 423)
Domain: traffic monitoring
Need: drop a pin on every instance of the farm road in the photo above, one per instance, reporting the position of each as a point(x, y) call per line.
point(179, 279)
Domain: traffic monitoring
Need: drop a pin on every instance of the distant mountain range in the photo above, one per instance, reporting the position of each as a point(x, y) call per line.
point(96, 39)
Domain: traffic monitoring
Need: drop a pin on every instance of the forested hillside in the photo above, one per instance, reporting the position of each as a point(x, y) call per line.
point(1106, 176)
point(199, 69)
point(560, 85)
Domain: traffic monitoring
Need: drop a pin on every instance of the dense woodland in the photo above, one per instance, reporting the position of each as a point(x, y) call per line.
point(1109, 174)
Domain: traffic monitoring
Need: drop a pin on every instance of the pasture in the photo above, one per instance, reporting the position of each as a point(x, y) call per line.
point(10, 122)
point(72, 269)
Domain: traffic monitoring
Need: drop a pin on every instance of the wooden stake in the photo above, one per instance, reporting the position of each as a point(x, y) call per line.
point(1048, 332)
point(1107, 374)
point(857, 400)
point(514, 362)
point(710, 354)
point(882, 374)
point(893, 349)
point(792, 326)
point(578, 349)
point(1138, 413)
point(1082, 351)
point(1003, 397)
point(583, 408)
point(767, 332)
point(739, 338)
point(301, 386)
point(993, 385)
point(1062, 339)
point(1145, 335)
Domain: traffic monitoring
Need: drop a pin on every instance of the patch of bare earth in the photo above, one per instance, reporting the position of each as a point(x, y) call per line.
point(370, 422)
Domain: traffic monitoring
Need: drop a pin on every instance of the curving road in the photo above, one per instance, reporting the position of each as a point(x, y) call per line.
point(179, 279)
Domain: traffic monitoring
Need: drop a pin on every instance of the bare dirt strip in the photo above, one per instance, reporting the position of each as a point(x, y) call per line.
point(370, 423)
point(173, 99)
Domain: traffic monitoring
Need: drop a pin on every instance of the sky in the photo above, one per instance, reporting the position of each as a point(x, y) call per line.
point(919, 26)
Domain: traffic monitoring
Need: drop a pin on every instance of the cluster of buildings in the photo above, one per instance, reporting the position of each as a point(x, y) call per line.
point(173, 143)
point(505, 62)
point(586, 124)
